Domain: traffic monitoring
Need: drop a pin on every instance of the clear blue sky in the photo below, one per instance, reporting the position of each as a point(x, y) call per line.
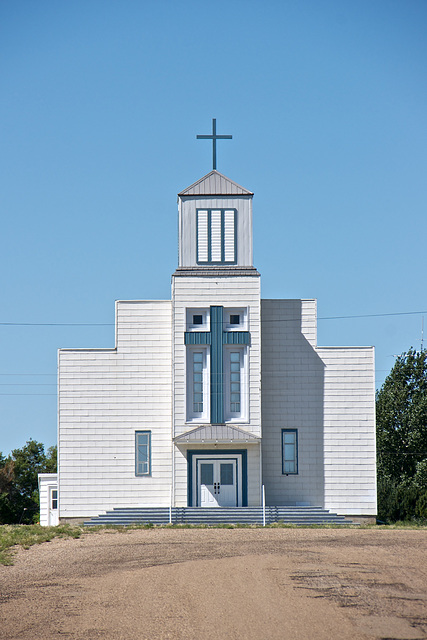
point(100, 105)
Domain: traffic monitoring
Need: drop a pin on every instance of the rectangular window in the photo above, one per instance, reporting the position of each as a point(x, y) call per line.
point(216, 236)
point(289, 451)
point(235, 390)
point(202, 236)
point(234, 319)
point(197, 319)
point(54, 498)
point(142, 453)
point(197, 382)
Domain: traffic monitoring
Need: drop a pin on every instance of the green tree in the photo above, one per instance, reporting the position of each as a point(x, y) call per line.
point(401, 407)
point(19, 496)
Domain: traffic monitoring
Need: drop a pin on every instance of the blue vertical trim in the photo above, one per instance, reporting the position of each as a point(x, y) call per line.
point(197, 337)
point(236, 337)
point(217, 367)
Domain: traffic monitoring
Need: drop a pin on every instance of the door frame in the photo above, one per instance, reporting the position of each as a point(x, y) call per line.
point(220, 459)
point(52, 514)
point(241, 457)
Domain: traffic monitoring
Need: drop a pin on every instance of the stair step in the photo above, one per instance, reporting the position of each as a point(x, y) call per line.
point(218, 515)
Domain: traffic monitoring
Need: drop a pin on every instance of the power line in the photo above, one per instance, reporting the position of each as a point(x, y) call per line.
point(112, 324)
point(374, 315)
point(57, 324)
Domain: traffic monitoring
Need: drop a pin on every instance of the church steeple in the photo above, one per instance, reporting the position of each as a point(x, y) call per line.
point(215, 223)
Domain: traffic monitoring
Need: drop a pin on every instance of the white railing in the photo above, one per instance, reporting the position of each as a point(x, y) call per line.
point(263, 505)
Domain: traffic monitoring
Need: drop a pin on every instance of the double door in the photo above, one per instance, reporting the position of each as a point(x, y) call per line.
point(217, 482)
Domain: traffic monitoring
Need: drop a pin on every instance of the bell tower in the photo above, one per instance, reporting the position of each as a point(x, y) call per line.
point(215, 224)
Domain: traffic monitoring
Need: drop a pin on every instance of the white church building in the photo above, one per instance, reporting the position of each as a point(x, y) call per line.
point(216, 397)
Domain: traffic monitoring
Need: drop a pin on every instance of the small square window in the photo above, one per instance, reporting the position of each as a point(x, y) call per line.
point(197, 319)
point(234, 319)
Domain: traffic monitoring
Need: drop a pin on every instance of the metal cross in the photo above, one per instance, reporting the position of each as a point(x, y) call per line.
point(214, 137)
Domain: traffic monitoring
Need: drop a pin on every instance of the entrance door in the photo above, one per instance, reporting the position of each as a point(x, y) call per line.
point(53, 506)
point(217, 483)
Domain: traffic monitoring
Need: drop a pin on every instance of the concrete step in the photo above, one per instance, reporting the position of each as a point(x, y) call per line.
point(219, 515)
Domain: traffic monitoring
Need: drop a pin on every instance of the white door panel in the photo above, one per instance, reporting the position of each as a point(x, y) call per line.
point(217, 481)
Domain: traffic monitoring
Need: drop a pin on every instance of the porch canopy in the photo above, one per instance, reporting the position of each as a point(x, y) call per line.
point(216, 433)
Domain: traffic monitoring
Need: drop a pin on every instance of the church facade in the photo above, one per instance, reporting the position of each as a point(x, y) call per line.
point(213, 395)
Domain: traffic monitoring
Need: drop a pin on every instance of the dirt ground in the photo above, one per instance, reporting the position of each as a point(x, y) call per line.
point(219, 584)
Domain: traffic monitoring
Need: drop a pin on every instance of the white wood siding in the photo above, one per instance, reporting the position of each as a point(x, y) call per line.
point(104, 397)
point(234, 293)
point(47, 481)
point(327, 394)
point(349, 432)
point(292, 398)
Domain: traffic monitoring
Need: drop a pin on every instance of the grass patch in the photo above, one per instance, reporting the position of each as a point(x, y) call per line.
point(401, 524)
point(27, 535)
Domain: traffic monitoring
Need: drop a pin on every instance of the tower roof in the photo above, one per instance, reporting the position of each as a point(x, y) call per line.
point(215, 184)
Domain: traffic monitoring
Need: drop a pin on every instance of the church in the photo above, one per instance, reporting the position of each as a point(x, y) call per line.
point(216, 398)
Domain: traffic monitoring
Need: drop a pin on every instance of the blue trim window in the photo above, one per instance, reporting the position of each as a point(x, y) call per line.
point(289, 451)
point(235, 390)
point(197, 382)
point(216, 236)
point(142, 453)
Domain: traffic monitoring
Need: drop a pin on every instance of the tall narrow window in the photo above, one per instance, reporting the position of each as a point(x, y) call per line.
point(202, 236)
point(229, 236)
point(197, 382)
point(216, 236)
point(142, 453)
point(289, 451)
point(54, 499)
point(235, 390)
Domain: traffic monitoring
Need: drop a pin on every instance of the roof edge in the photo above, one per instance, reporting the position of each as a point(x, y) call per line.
point(214, 172)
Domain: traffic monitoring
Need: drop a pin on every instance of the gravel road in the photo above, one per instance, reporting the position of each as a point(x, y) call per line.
point(220, 584)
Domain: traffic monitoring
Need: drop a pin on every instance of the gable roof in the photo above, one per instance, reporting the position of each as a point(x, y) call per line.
point(215, 184)
point(216, 433)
